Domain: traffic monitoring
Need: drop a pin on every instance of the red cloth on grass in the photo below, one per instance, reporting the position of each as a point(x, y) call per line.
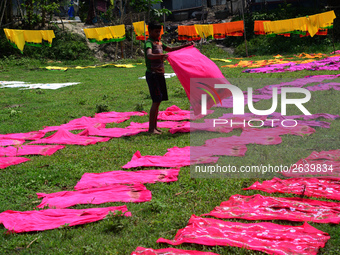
point(30, 150)
point(311, 187)
point(119, 114)
point(168, 251)
point(189, 63)
point(111, 132)
point(175, 157)
point(258, 207)
point(18, 222)
point(24, 136)
point(7, 142)
point(92, 180)
point(63, 136)
point(9, 161)
point(266, 237)
point(114, 193)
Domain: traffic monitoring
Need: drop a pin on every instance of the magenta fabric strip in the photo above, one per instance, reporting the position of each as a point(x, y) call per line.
point(266, 237)
point(18, 222)
point(9, 161)
point(168, 251)
point(111, 132)
point(94, 180)
point(258, 207)
point(8, 142)
point(114, 193)
point(34, 135)
point(311, 187)
point(160, 124)
point(174, 113)
point(63, 136)
point(175, 157)
point(45, 150)
point(234, 150)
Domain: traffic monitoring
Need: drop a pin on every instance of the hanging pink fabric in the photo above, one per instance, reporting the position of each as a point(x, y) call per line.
point(114, 193)
point(10, 161)
point(189, 63)
point(266, 237)
point(45, 150)
point(7, 142)
point(119, 114)
point(111, 132)
point(63, 136)
point(311, 187)
point(18, 222)
point(175, 157)
point(168, 251)
point(258, 207)
point(94, 180)
point(24, 136)
point(160, 124)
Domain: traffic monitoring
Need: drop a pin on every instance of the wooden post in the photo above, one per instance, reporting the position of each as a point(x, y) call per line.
point(144, 31)
point(164, 20)
point(333, 39)
point(131, 35)
point(3, 12)
point(244, 24)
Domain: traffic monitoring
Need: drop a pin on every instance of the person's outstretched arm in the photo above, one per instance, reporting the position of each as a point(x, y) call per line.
point(169, 49)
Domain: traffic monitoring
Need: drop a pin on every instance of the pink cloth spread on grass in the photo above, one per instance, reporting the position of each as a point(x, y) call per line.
point(24, 136)
point(160, 124)
point(266, 237)
point(45, 150)
point(175, 157)
point(7, 142)
point(63, 136)
point(174, 113)
point(297, 130)
point(18, 222)
point(76, 124)
point(168, 251)
point(189, 63)
point(111, 132)
point(9, 161)
point(244, 138)
point(258, 207)
point(227, 150)
point(111, 120)
point(114, 193)
point(93, 180)
point(325, 163)
point(119, 114)
point(311, 187)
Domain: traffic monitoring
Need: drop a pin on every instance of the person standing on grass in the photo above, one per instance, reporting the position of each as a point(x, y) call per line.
point(154, 60)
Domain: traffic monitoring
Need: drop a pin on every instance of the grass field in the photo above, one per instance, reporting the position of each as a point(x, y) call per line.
point(118, 89)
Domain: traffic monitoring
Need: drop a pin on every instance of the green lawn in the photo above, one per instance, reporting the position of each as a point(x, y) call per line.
point(172, 204)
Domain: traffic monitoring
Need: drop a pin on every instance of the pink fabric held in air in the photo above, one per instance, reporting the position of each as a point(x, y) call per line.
point(175, 157)
point(18, 222)
point(45, 150)
point(311, 187)
point(168, 251)
point(9, 161)
point(93, 180)
point(113, 193)
point(63, 136)
point(266, 237)
point(258, 207)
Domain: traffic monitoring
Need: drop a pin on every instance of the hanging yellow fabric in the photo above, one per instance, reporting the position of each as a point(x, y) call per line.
point(103, 34)
point(206, 31)
point(33, 36)
point(118, 32)
point(48, 35)
point(315, 22)
point(285, 26)
point(16, 37)
point(139, 28)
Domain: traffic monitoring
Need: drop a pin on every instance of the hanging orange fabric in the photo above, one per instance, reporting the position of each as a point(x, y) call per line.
point(188, 33)
point(219, 30)
point(235, 28)
point(258, 27)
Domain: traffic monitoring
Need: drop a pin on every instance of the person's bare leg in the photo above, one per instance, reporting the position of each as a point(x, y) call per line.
point(153, 118)
point(156, 116)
